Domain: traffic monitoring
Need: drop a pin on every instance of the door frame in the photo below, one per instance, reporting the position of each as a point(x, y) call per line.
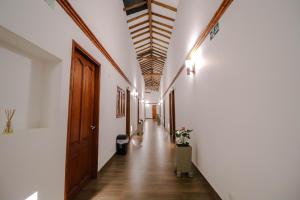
point(128, 112)
point(95, 142)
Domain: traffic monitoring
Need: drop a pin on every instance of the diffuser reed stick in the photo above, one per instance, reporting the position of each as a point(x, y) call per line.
point(9, 115)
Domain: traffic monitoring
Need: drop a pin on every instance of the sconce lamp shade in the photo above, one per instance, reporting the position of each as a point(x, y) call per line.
point(190, 66)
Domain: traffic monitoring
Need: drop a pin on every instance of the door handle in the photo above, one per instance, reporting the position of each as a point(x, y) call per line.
point(93, 127)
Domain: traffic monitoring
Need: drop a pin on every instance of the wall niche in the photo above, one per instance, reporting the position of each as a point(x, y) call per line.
point(29, 82)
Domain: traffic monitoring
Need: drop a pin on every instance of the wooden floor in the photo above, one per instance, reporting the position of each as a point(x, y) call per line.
point(146, 173)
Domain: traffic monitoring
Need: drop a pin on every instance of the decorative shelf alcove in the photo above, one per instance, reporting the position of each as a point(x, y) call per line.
point(30, 82)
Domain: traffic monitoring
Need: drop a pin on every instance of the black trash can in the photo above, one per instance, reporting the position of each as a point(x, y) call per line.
point(122, 144)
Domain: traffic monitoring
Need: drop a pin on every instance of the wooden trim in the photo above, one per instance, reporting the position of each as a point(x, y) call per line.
point(163, 16)
point(82, 25)
point(218, 14)
point(137, 17)
point(77, 47)
point(165, 6)
point(162, 24)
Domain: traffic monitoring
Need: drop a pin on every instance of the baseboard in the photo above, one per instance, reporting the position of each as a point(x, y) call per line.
point(215, 194)
point(107, 164)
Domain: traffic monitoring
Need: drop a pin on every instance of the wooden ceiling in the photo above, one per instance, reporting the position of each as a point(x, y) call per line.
point(150, 24)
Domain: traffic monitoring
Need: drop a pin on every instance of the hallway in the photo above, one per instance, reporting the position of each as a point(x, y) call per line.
point(146, 172)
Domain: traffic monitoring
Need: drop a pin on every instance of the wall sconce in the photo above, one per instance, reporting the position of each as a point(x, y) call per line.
point(134, 93)
point(190, 67)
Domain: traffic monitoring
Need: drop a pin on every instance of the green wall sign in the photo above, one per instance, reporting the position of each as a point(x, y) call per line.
point(214, 31)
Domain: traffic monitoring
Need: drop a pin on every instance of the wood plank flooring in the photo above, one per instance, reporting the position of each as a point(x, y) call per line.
point(146, 173)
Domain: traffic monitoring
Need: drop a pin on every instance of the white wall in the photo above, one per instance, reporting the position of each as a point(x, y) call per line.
point(152, 97)
point(148, 111)
point(243, 102)
point(53, 30)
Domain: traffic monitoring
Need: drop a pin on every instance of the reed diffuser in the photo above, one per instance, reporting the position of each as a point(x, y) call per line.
point(9, 115)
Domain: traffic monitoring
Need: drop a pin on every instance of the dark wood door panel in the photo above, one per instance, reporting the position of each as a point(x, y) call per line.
point(82, 147)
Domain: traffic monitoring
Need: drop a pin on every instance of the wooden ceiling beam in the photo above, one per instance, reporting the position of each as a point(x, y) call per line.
point(138, 30)
point(141, 50)
point(142, 40)
point(164, 5)
point(149, 3)
point(134, 5)
point(138, 24)
point(163, 35)
point(147, 67)
point(159, 49)
point(142, 45)
point(140, 34)
point(146, 62)
point(144, 53)
point(152, 74)
point(160, 45)
point(137, 17)
point(163, 17)
point(163, 41)
point(161, 29)
point(163, 54)
point(162, 24)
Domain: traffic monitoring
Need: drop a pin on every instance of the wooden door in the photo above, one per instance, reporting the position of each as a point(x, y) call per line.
point(164, 107)
point(128, 113)
point(154, 114)
point(82, 147)
point(138, 110)
point(172, 114)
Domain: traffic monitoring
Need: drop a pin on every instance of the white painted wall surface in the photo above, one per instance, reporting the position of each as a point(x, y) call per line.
point(243, 102)
point(52, 30)
point(148, 108)
point(152, 97)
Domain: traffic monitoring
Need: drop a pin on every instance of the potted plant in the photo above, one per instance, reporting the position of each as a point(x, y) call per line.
point(183, 152)
point(183, 137)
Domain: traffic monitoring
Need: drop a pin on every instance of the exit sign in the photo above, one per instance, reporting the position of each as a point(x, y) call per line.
point(51, 3)
point(214, 31)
